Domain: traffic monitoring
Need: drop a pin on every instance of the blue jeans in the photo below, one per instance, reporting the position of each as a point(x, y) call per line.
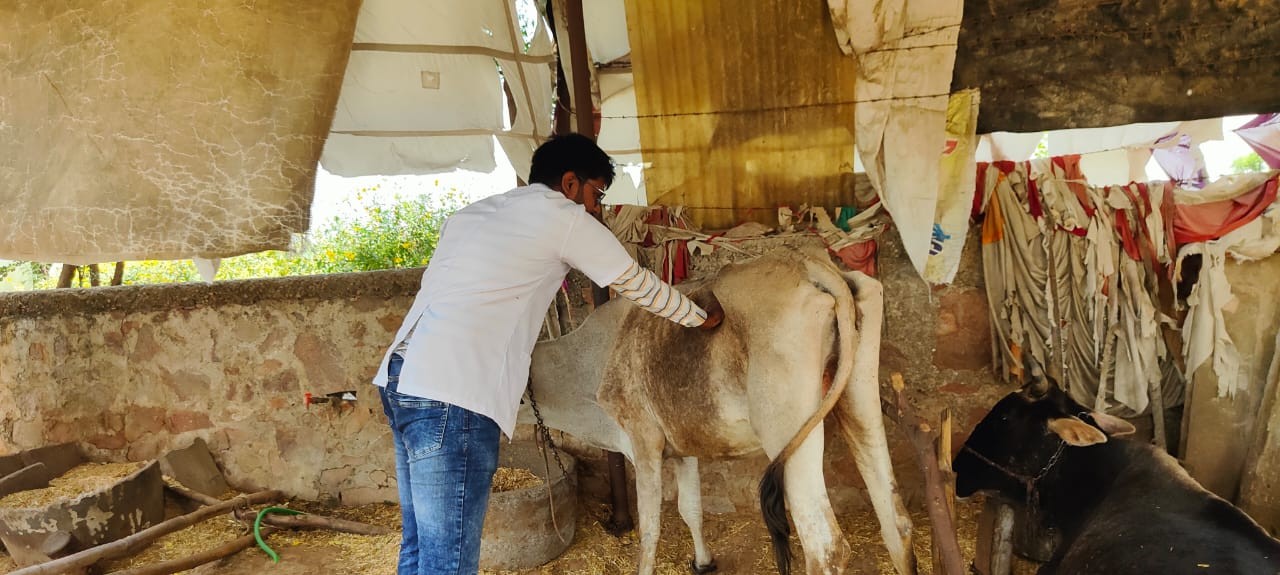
point(445, 460)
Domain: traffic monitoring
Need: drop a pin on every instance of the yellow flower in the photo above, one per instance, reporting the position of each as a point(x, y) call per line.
point(397, 260)
point(350, 256)
point(406, 245)
point(329, 254)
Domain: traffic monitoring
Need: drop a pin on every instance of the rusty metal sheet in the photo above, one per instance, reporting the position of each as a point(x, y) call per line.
point(742, 106)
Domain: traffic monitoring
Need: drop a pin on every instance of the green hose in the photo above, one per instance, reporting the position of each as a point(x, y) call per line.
point(257, 527)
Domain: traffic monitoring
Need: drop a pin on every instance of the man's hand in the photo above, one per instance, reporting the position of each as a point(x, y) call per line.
point(715, 314)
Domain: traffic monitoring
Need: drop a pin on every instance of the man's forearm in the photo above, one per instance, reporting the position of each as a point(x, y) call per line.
point(645, 289)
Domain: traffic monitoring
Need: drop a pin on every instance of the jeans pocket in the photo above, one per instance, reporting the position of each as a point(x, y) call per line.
point(422, 425)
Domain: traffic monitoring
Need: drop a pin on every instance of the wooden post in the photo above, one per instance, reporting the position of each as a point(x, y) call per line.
point(563, 108)
point(923, 439)
point(994, 553)
point(584, 109)
point(948, 480)
point(581, 103)
point(117, 278)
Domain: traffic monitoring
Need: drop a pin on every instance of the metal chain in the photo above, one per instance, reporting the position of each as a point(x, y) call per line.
point(545, 433)
point(1029, 483)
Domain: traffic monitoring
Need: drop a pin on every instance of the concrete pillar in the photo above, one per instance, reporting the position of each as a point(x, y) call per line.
point(1260, 486)
point(1220, 428)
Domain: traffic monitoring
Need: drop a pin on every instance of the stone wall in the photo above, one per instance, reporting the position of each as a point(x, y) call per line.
point(133, 371)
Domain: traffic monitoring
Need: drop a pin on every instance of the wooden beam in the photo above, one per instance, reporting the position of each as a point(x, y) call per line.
point(621, 520)
point(580, 67)
point(184, 563)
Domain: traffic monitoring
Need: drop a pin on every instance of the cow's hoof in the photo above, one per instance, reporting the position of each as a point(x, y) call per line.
point(615, 529)
point(704, 569)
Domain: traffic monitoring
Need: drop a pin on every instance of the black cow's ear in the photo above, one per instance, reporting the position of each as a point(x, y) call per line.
point(1111, 424)
point(1076, 432)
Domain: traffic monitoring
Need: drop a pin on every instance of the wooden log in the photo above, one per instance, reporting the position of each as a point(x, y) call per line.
point(1002, 541)
point(136, 542)
point(948, 480)
point(308, 521)
point(117, 278)
point(922, 437)
point(193, 495)
point(175, 565)
point(311, 521)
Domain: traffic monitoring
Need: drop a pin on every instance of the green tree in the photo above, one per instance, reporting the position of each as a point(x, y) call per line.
point(371, 235)
point(400, 234)
point(1042, 147)
point(1250, 162)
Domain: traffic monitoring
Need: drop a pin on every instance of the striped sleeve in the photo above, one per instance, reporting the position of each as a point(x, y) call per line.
point(658, 297)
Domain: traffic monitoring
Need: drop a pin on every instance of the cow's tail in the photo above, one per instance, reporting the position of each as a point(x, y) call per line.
point(824, 274)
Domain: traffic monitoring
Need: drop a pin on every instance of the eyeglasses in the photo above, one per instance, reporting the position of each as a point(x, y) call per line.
point(598, 191)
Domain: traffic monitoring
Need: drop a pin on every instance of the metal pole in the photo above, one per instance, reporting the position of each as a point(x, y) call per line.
point(584, 109)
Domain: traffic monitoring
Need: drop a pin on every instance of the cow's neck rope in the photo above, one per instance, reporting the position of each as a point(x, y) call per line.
point(1033, 494)
point(1027, 480)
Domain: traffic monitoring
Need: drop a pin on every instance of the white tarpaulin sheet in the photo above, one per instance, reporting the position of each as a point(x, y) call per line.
point(906, 51)
point(152, 129)
point(428, 97)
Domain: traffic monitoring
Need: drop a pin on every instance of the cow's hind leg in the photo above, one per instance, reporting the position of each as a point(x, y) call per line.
point(860, 421)
point(825, 549)
point(871, 453)
point(689, 488)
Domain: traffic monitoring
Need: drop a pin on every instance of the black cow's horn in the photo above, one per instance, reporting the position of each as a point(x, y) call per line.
point(1038, 387)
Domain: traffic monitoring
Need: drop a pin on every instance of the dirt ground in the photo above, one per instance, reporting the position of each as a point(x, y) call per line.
point(738, 541)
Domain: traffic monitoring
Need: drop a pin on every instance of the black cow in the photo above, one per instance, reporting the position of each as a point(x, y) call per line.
point(1120, 506)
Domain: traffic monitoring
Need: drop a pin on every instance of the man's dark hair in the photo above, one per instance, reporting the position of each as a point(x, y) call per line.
point(570, 153)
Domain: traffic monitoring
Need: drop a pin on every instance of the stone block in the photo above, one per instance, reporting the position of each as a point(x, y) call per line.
point(29, 431)
point(963, 331)
point(114, 440)
point(367, 495)
point(183, 421)
point(143, 421)
point(332, 479)
point(194, 467)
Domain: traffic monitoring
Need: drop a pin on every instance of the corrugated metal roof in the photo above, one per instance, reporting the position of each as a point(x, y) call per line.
point(742, 106)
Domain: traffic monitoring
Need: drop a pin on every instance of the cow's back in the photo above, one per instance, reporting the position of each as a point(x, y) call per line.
point(1156, 519)
point(1145, 541)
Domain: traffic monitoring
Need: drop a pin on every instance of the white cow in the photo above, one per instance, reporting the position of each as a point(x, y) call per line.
point(631, 382)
